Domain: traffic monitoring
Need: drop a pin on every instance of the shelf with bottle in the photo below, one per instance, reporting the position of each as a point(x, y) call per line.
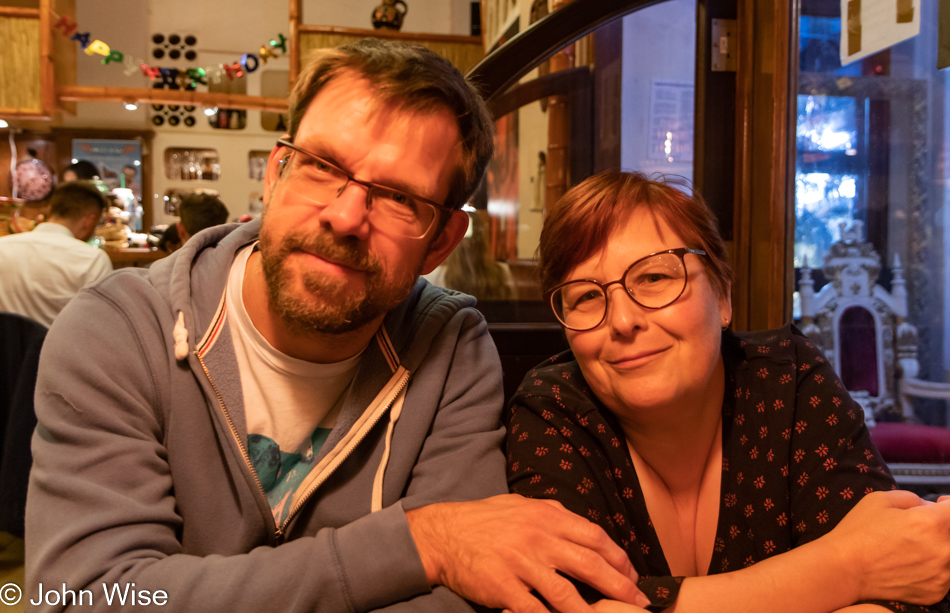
point(186, 164)
point(228, 119)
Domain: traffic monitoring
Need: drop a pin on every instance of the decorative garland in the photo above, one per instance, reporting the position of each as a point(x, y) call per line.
point(173, 78)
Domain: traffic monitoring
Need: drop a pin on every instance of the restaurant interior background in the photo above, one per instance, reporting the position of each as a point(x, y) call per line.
point(829, 179)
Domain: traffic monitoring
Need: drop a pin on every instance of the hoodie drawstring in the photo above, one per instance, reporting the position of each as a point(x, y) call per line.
point(394, 412)
point(180, 334)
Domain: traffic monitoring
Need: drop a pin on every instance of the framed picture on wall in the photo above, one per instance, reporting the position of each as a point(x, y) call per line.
point(119, 161)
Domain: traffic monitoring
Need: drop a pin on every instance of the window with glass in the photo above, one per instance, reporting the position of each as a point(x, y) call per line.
point(628, 107)
point(627, 95)
point(871, 220)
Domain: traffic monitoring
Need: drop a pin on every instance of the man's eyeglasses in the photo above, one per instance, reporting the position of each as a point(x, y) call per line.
point(388, 209)
point(653, 282)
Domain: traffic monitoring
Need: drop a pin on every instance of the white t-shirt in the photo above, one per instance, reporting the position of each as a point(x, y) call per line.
point(44, 269)
point(285, 398)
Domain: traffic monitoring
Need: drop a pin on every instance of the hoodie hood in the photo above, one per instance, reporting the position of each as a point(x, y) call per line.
point(196, 294)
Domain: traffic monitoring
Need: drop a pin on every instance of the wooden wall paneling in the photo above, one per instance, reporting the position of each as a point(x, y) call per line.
point(463, 51)
point(20, 66)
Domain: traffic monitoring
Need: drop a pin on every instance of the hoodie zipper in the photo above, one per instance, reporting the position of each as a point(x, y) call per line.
point(350, 446)
point(237, 438)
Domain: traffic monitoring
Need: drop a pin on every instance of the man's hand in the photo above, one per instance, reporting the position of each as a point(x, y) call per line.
point(612, 606)
point(495, 551)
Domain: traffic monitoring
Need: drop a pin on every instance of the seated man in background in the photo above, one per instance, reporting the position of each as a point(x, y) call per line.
point(45, 268)
point(281, 416)
point(197, 212)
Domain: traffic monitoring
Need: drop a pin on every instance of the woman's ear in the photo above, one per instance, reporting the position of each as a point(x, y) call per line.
point(725, 306)
point(443, 244)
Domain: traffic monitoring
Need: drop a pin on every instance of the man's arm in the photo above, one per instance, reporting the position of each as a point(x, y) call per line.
point(496, 551)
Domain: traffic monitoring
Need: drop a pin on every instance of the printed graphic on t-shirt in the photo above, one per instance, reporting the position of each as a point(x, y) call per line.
point(280, 472)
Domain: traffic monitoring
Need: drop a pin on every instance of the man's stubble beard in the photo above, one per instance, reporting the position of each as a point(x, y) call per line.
point(326, 306)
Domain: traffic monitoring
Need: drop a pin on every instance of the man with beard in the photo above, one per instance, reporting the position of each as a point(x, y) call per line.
point(281, 416)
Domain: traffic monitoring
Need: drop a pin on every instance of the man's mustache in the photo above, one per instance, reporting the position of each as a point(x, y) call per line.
point(347, 252)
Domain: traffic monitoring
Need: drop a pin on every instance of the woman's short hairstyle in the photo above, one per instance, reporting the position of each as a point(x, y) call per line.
point(582, 221)
point(416, 79)
point(83, 169)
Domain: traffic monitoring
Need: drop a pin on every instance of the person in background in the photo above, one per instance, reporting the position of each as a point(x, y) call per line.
point(44, 269)
point(470, 268)
point(130, 175)
point(197, 212)
point(80, 170)
point(169, 241)
point(733, 468)
point(281, 416)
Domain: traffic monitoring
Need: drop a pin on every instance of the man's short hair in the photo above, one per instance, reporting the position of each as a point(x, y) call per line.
point(416, 79)
point(76, 199)
point(200, 211)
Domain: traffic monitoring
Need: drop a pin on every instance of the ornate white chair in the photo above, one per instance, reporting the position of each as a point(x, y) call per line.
point(862, 329)
point(859, 326)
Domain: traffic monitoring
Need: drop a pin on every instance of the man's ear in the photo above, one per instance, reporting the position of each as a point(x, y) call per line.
point(88, 224)
point(275, 166)
point(446, 241)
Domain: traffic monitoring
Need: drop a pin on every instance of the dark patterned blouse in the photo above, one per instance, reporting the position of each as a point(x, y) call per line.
point(796, 457)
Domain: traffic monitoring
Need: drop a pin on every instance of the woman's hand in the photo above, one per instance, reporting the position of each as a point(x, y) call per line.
point(895, 547)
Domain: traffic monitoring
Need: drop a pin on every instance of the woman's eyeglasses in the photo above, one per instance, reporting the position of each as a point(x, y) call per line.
point(653, 282)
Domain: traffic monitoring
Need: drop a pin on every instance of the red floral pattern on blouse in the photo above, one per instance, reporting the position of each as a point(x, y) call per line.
point(796, 458)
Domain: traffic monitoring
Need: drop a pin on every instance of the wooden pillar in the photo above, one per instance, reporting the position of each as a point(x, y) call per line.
point(559, 129)
point(47, 77)
point(295, 16)
point(764, 219)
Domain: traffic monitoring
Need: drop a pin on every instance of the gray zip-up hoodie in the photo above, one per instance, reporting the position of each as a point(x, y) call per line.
point(141, 474)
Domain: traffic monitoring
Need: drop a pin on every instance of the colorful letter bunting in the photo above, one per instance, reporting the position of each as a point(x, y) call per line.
point(172, 78)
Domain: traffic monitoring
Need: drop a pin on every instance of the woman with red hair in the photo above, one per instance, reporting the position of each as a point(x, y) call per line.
point(733, 468)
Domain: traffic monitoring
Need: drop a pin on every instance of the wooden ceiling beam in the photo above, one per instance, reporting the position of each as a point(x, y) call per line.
point(170, 96)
